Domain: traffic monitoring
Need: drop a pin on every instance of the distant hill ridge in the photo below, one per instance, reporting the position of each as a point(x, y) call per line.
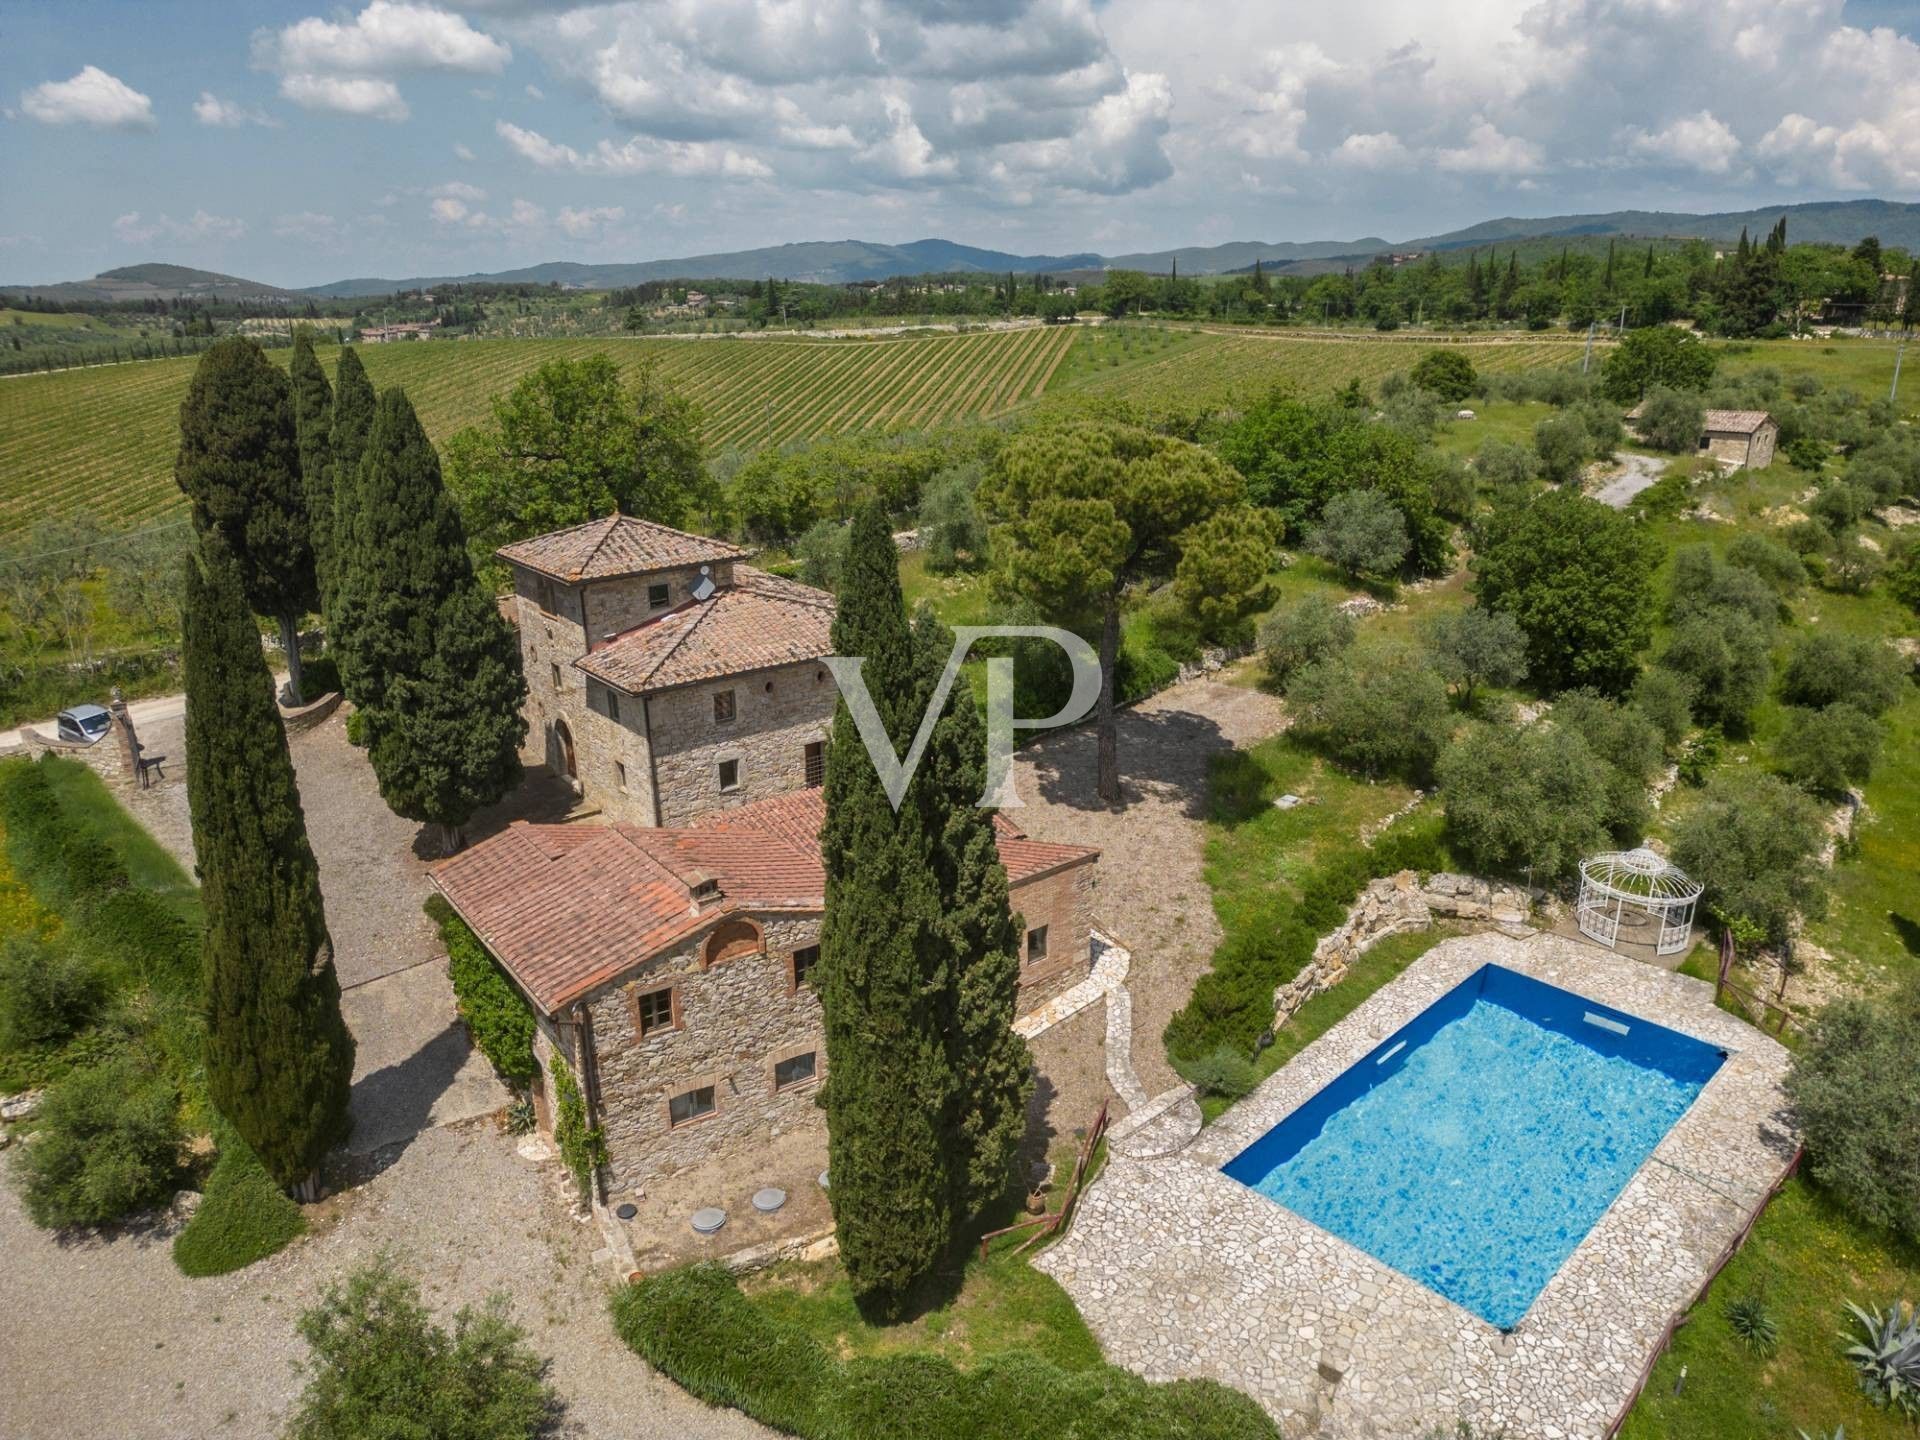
point(1842, 222)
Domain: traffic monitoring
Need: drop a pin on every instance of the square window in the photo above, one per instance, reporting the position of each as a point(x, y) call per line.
point(1036, 944)
point(794, 1070)
point(816, 764)
point(656, 1011)
point(723, 707)
point(657, 596)
point(620, 774)
point(690, 1106)
point(729, 774)
point(556, 678)
point(804, 959)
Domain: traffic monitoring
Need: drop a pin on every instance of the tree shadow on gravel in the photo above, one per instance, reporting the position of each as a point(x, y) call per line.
point(1163, 753)
point(542, 798)
point(395, 1103)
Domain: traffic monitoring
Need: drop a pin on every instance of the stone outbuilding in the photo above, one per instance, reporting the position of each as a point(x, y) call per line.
point(670, 966)
point(1743, 439)
point(667, 679)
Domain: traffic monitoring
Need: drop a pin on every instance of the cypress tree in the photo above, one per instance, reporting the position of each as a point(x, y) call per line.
point(279, 1056)
point(883, 989)
point(991, 1067)
point(353, 406)
point(432, 649)
point(239, 465)
point(313, 427)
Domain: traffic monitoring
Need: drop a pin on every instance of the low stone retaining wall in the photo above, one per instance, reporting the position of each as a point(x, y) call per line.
point(306, 717)
point(1392, 906)
point(1212, 661)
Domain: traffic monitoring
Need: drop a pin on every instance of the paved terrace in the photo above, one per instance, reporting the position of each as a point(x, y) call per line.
point(1184, 1272)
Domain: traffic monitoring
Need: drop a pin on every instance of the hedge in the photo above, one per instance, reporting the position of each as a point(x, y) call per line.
point(1232, 1004)
point(498, 1015)
point(243, 1215)
point(695, 1326)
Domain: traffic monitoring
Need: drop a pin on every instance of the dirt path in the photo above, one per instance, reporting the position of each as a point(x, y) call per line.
point(1153, 895)
point(1637, 473)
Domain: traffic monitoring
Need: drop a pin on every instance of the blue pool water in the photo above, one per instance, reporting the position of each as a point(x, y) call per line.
point(1473, 1149)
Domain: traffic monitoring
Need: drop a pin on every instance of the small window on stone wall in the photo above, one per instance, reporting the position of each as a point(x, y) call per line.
point(613, 706)
point(655, 1008)
point(1036, 944)
point(657, 596)
point(556, 677)
point(692, 1105)
point(816, 763)
point(804, 959)
point(620, 774)
point(794, 1070)
point(729, 774)
point(723, 708)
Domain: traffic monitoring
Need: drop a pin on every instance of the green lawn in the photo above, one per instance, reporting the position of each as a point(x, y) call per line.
point(1807, 1258)
point(150, 864)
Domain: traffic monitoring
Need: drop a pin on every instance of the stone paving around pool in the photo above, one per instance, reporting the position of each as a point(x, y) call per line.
point(1182, 1271)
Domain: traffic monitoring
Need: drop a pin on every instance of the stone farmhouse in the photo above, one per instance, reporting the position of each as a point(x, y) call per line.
point(1744, 439)
point(665, 678)
point(669, 966)
point(666, 952)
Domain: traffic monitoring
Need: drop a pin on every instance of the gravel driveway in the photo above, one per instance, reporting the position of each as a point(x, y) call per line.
point(1153, 896)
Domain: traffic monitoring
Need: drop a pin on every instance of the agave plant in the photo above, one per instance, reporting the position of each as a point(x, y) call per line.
point(1750, 1320)
point(1886, 1353)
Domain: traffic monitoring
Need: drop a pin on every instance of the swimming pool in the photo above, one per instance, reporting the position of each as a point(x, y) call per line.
point(1474, 1148)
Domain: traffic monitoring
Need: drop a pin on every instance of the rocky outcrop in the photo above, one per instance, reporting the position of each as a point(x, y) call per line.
point(1212, 661)
point(1393, 906)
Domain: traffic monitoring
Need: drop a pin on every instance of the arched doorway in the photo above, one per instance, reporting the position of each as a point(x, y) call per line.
point(563, 740)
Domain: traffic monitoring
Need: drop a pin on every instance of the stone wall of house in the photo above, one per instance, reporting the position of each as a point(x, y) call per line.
point(1391, 906)
point(735, 1020)
point(777, 714)
point(550, 641)
point(1063, 902)
point(624, 602)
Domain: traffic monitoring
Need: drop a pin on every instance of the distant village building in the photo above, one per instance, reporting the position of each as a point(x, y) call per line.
point(406, 330)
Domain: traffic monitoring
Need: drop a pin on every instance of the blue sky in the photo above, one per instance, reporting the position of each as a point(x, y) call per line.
point(298, 143)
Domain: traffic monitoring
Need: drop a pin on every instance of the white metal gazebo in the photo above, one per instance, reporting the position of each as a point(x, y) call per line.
point(1635, 888)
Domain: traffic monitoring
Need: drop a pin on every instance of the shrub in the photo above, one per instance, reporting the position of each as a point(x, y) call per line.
point(1299, 634)
point(1562, 444)
point(1771, 561)
point(1381, 711)
point(1666, 698)
point(357, 729)
point(1753, 841)
point(1855, 1090)
point(951, 527)
point(1752, 1324)
point(1671, 420)
point(1702, 584)
point(1826, 667)
point(1805, 452)
point(1523, 800)
point(1361, 532)
point(501, 1021)
point(1903, 575)
point(1477, 646)
point(1886, 1356)
point(1502, 464)
point(1851, 570)
point(1724, 656)
point(1629, 748)
point(378, 1365)
point(243, 1216)
point(47, 992)
point(1223, 1070)
point(1827, 750)
point(822, 553)
point(1448, 373)
point(107, 1144)
point(1144, 669)
point(319, 676)
point(694, 1325)
point(1840, 505)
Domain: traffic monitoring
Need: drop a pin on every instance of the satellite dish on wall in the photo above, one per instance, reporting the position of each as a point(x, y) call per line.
point(703, 587)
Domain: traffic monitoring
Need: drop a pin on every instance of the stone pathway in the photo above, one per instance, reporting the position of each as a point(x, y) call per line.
point(1637, 473)
point(1182, 1271)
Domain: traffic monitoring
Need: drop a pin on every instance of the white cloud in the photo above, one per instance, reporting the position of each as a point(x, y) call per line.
point(133, 229)
point(1488, 152)
point(1700, 142)
point(449, 211)
point(640, 155)
point(346, 95)
point(459, 190)
point(586, 224)
point(309, 227)
point(534, 92)
point(463, 152)
point(210, 109)
point(382, 39)
point(1381, 150)
point(91, 97)
point(347, 66)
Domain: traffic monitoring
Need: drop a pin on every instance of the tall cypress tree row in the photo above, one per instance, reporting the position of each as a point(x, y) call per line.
point(440, 667)
point(239, 465)
point(884, 984)
point(353, 406)
point(991, 1067)
point(313, 430)
point(279, 1055)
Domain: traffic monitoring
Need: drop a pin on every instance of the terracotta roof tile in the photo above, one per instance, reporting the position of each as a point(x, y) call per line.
point(615, 545)
point(1738, 422)
point(566, 908)
point(757, 622)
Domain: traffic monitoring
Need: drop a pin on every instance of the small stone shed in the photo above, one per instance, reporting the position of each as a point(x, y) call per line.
point(1744, 439)
point(670, 967)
